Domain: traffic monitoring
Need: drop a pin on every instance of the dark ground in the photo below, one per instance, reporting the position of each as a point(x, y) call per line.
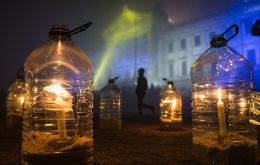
point(139, 142)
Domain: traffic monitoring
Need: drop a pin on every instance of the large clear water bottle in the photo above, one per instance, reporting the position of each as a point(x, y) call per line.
point(221, 86)
point(110, 112)
point(170, 107)
point(15, 101)
point(57, 118)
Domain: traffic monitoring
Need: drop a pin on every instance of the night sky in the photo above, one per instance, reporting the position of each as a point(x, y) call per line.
point(25, 24)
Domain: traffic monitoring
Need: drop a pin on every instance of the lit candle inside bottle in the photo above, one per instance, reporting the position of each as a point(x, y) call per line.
point(167, 103)
point(221, 115)
point(173, 104)
point(21, 100)
point(60, 101)
point(20, 104)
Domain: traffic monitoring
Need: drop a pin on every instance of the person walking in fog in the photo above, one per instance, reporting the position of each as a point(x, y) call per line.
point(140, 91)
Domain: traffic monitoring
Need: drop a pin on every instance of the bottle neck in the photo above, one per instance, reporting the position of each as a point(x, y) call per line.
point(60, 33)
point(59, 38)
point(218, 42)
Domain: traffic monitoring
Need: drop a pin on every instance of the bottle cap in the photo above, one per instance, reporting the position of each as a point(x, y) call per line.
point(112, 80)
point(59, 30)
point(217, 42)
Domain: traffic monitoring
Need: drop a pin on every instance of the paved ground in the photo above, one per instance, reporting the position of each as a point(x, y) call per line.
point(140, 142)
point(10, 145)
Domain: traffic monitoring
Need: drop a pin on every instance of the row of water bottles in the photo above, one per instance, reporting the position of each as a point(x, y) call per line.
point(57, 114)
point(110, 109)
point(170, 107)
point(54, 102)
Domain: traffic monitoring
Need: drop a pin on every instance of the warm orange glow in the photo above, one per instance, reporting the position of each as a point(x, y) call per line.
point(59, 100)
point(169, 106)
point(202, 96)
point(57, 90)
point(199, 96)
point(59, 48)
point(221, 114)
point(166, 101)
point(243, 103)
point(21, 100)
point(173, 104)
point(219, 94)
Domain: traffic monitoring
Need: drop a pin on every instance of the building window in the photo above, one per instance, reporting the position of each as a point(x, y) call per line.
point(197, 40)
point(184, 68)
point(171, 68)
point(183, 44)
point(170, 47)
point(251, 56)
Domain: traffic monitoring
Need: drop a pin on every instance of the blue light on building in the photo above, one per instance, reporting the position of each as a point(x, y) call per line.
point(169, 52)
point(189, 41)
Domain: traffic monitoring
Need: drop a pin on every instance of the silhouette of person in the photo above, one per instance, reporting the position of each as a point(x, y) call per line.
point(140, 91)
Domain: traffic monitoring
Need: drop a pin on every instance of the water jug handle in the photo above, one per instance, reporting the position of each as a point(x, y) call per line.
point(116, 78)
point(81, 28)
point(166, 80)
point(235, 27)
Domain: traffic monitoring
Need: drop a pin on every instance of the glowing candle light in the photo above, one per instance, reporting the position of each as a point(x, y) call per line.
point(57, 118)
point(221, 115)
point(170, 107)
point(20, 103)
point(59, 48)
point(21, 100)
point(15, 101)
point(225, 78)
point(60, 101)
point(173, 104)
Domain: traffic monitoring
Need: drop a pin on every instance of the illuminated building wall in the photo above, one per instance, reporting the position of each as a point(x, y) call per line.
point(137, 40)
point(127, 46)
point(179, 47)
point(130, 44)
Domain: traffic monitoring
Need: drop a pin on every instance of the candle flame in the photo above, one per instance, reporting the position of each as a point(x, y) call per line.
point(219, 94)
point(57, 90)
point(202, 96)
point(166, 101)
point(173, 104)
point(59, 48)
point(21, 100)
point(57, 98)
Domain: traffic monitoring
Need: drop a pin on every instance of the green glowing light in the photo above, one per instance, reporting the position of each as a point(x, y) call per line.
point(128, 26)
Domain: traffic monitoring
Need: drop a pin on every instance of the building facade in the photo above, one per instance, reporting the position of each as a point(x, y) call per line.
point(179, 47)
point(131, 43)
point(146, 40)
